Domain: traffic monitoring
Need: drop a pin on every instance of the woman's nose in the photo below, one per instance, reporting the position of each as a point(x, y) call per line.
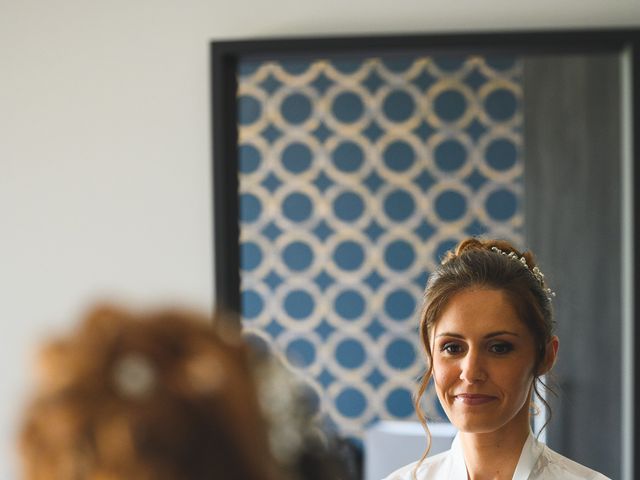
point(472, 369)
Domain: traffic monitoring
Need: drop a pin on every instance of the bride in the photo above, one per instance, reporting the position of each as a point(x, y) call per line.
point(486, 327)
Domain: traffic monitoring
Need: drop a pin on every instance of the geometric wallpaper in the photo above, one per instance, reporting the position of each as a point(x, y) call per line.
point(356, 174)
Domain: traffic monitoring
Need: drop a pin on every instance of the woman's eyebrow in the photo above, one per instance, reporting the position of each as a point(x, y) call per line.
point(449, 334)
point(501, 332)
point(488, 335)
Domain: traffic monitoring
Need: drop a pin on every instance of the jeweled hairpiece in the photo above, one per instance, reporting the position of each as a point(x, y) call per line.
point(535, 271)
point(134, 376)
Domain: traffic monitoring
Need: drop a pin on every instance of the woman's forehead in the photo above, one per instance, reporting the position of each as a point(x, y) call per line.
point(478, 311)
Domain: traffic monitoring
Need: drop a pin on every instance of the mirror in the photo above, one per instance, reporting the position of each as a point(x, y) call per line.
point(345, 167)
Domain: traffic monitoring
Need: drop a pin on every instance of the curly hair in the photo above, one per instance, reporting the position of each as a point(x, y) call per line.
point(157, 395)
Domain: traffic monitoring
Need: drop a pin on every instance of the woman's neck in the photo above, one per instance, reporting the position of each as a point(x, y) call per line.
point(495, 455)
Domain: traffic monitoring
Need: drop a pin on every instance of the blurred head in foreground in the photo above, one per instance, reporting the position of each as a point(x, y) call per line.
point(160, 395)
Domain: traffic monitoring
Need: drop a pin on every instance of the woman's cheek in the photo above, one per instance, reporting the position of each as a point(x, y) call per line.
point(441, 378)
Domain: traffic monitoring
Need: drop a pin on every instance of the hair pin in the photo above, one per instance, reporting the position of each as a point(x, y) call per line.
point(134, 376)
point(535, 271)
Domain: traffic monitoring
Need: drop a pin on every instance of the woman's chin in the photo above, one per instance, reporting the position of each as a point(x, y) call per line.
point(475, 425)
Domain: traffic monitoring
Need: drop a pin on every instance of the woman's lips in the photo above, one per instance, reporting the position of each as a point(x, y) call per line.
point(474, 398)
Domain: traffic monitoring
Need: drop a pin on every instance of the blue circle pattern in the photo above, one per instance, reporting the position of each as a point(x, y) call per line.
point(248, 159)
point(450, 63)
point(349, 304)
point(450, 155)
point(351, 402)
point(400, 304)
point(450, 205)
point(296, 108)
point(350, 353)
point(299, 304)
point(249, 110)
point(345, 159)
point(297, 157)
point(295, 67)
point(348, 206)
point(399, 255)
point(348, 157)
point(250, 256)
point(398, 64)
point(350, 65)
point(501, 205)
point(450, 105)
point(348, 107)
point(501, 154)
point(501, 104)
point(399, 156)
point(399, 403)
point(348, 255)
point(301, 352)
point(399, 205)
point(297, 207)
point(250, 207)
point(252, 303)
point(501, 63)
point(400, 354)
point(398, 106)
point(297, 256)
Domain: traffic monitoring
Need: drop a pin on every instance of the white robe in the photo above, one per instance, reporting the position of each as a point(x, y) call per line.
point(537, 462)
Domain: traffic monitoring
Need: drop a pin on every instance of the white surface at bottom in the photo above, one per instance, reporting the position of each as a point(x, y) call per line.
point(389, 445)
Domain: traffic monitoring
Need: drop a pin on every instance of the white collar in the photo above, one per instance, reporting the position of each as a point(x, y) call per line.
point(531, 451)
point(457, 467)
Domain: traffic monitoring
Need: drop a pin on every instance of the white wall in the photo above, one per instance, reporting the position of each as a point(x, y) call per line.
point(105, 188)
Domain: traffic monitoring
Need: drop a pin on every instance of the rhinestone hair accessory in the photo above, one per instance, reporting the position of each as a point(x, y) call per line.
point(535, 271)
point(134, 376)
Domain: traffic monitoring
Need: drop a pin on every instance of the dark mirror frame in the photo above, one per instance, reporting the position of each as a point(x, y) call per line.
point(224, 58)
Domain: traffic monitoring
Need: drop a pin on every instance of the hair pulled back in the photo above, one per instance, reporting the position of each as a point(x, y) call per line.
point(476, 263)
point(183, 407)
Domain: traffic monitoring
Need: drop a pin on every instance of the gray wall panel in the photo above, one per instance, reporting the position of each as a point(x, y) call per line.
point(572, 221)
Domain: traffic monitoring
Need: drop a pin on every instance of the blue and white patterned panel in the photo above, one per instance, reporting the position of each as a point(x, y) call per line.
point(356, 175)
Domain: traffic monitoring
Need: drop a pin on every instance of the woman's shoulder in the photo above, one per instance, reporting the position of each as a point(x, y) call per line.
point(559, 466)
point(427, 469)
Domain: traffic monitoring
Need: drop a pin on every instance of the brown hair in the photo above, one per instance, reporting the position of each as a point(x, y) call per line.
point(186, 408)
point(481, 263)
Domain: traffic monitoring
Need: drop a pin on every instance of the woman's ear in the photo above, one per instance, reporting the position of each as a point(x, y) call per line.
point(550, 355)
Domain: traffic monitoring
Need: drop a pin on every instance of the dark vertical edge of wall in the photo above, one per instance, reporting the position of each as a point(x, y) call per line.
point(572, 158)
point(225, 178)
point(635, 155)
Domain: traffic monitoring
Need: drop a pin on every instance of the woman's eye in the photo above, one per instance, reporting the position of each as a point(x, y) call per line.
point(501, 348)
point(451, 348)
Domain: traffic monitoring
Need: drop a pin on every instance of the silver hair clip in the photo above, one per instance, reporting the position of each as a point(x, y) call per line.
point(134, 376)
point(535, 270)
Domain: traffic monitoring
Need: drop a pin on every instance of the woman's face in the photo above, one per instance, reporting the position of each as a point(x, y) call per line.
point(483, 362)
